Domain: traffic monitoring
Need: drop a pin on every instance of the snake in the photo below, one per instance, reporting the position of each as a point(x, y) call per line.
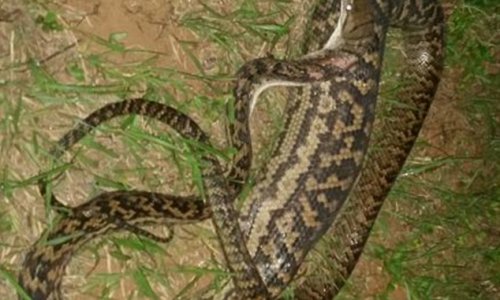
point(309, 176)
point(422, 28)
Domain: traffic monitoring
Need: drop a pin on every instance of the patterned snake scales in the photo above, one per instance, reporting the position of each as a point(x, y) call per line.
point(317, 161)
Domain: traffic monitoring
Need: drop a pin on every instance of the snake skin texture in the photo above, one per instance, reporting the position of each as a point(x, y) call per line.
point(309, 176)
point(45, 263)
point(422, 28)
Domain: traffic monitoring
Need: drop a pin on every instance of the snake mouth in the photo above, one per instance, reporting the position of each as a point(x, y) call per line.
point(341, 60)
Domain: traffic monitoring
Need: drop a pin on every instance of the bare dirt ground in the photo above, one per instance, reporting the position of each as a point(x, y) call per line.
point(154, 26)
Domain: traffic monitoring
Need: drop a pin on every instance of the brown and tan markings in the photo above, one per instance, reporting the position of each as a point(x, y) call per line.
point(290, 209)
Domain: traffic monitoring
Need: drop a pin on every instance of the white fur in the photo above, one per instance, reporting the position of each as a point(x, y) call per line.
point(333, 42)
point(261, 88)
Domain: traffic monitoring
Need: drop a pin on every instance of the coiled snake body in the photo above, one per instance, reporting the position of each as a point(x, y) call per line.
point(310, 174)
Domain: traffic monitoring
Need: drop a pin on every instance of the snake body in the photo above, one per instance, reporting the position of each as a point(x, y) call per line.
point(422, 24)
point(308, 177)
point(46, 262)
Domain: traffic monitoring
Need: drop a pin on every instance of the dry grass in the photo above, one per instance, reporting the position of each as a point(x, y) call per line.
point(437, 236)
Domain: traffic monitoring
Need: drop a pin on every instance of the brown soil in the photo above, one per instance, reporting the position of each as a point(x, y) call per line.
point(153, 26)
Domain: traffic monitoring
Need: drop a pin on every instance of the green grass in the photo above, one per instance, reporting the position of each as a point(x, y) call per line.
point(437, 237)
